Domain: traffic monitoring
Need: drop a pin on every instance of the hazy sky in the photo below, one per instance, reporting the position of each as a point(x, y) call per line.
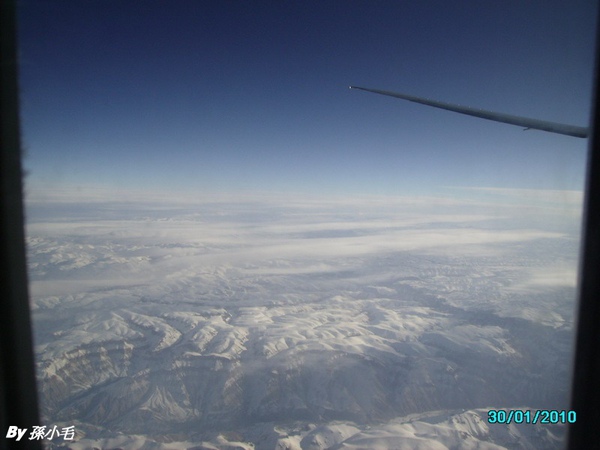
point(223, 95)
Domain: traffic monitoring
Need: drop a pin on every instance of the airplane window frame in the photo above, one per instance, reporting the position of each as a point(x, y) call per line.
point(18, 390)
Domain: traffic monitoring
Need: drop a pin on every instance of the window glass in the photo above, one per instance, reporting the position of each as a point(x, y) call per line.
point(227, 248)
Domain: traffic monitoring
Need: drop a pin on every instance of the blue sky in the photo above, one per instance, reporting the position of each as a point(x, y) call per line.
point(223, 96)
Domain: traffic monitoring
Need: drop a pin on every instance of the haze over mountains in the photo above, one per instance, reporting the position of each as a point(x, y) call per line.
point(265, 321)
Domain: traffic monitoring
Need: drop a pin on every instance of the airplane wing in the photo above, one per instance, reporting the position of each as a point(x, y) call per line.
point(553, 127)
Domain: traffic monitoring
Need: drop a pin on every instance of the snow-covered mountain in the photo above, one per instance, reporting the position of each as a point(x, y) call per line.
point(306, 325)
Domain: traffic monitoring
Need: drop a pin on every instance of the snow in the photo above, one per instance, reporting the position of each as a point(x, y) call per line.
point(300, 325)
